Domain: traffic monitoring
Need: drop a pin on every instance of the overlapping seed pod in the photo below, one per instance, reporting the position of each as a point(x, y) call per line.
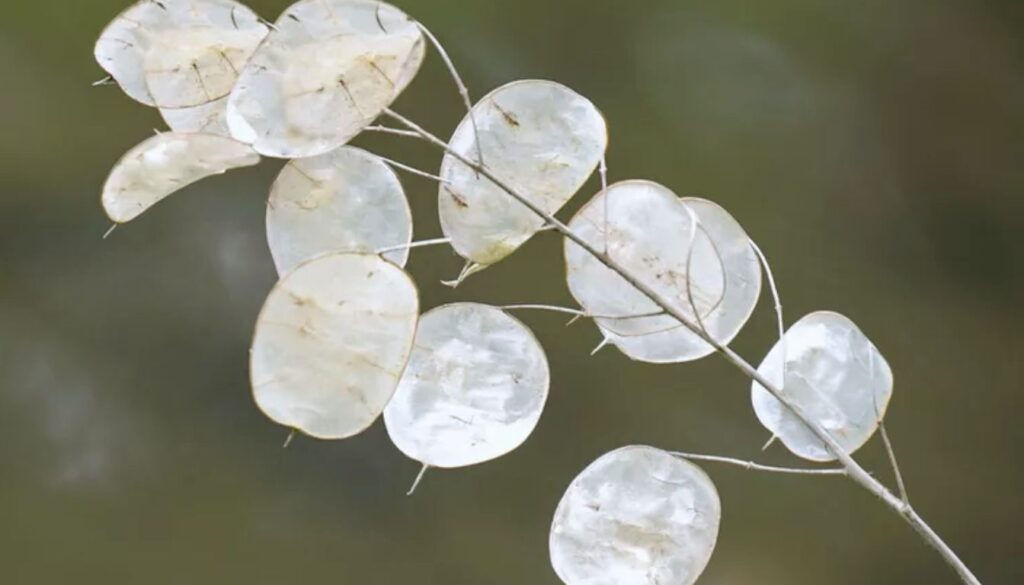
point(331, 343)
point(345, 200)
point(326, 71)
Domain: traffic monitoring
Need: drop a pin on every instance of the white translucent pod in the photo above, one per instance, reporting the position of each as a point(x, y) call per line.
point(331, 342)
point(541, 138)
point(835, 375)
point(636, 516)
point(473, 390)
point(206, 118)
point(325, 72)
point(722, 251)
point(664, 241)
point(345, 200)
point(179, 53)
point(165, 163)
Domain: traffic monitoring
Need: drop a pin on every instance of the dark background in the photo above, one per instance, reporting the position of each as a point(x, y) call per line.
point(873, 149)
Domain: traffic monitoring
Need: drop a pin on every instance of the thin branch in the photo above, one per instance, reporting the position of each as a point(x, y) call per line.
point(396, 131)
point(778, 307)
point(694, 222)
point(410, 245)
point(463, 90)
point(419, 478)
point(603, 171)
point(759, 467)
point(578, 312)
point(411, 170)
point(895, 466)
point(854, 470)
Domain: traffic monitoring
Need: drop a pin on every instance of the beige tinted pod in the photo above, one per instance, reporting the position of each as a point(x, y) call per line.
point(726, 283)
point(207, 118)
point(179, 53)
point(331, 342)
point(665, 242)
point(837, 377)
point(166, 163)
point(636, 516)
point(473, 390)
point(327, 70)
point(345, 200)
point(541, 138)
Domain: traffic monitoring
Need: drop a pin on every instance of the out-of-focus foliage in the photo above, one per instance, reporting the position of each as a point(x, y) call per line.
point(873, 150)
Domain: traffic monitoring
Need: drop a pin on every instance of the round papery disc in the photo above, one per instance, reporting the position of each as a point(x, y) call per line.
point(649, 231)
point(473, 390)
point(719, 236)
point(331, 342)
point(325, 72)
point(179, 53)
point(345, 200)
point(835, 374)
point(165, 163)
point(636, 516)
point(206, 119)
point(539, 137)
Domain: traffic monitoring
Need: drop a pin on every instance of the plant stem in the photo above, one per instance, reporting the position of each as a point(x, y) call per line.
point(853, 469)
point(759, 467)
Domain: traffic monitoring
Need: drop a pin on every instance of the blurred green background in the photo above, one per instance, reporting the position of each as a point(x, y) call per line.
point(875, 150)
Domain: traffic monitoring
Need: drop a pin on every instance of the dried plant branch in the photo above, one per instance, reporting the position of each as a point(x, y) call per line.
point(463, 90)
point(395, 131)
point(410, 245)
point(411, 170)
point(853, 469)
point(895, 465)
point(578, 312)
point(759, 467)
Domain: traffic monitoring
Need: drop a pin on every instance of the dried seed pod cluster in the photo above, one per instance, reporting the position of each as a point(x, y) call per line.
point(341, 340)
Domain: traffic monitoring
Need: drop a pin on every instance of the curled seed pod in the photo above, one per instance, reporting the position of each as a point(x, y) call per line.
point(179, 53)
point(474, 388)
point(325, 72)
point(539, 136)
point(835, 375)
point(345, 200)
point(636, 516)
point(689, 250)
point(165, 163)
point(331, 342)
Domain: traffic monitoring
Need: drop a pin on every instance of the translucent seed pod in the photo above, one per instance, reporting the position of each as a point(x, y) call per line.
point(345, 200)
point(689, 250)
point(331, 342)
point(721, 250)
point(474, 388)
point(165, 163)
point(206, 119)
point(179, 53)
point(325, 72)
point(835, 375)
point(538, 136)
point(636, 516)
